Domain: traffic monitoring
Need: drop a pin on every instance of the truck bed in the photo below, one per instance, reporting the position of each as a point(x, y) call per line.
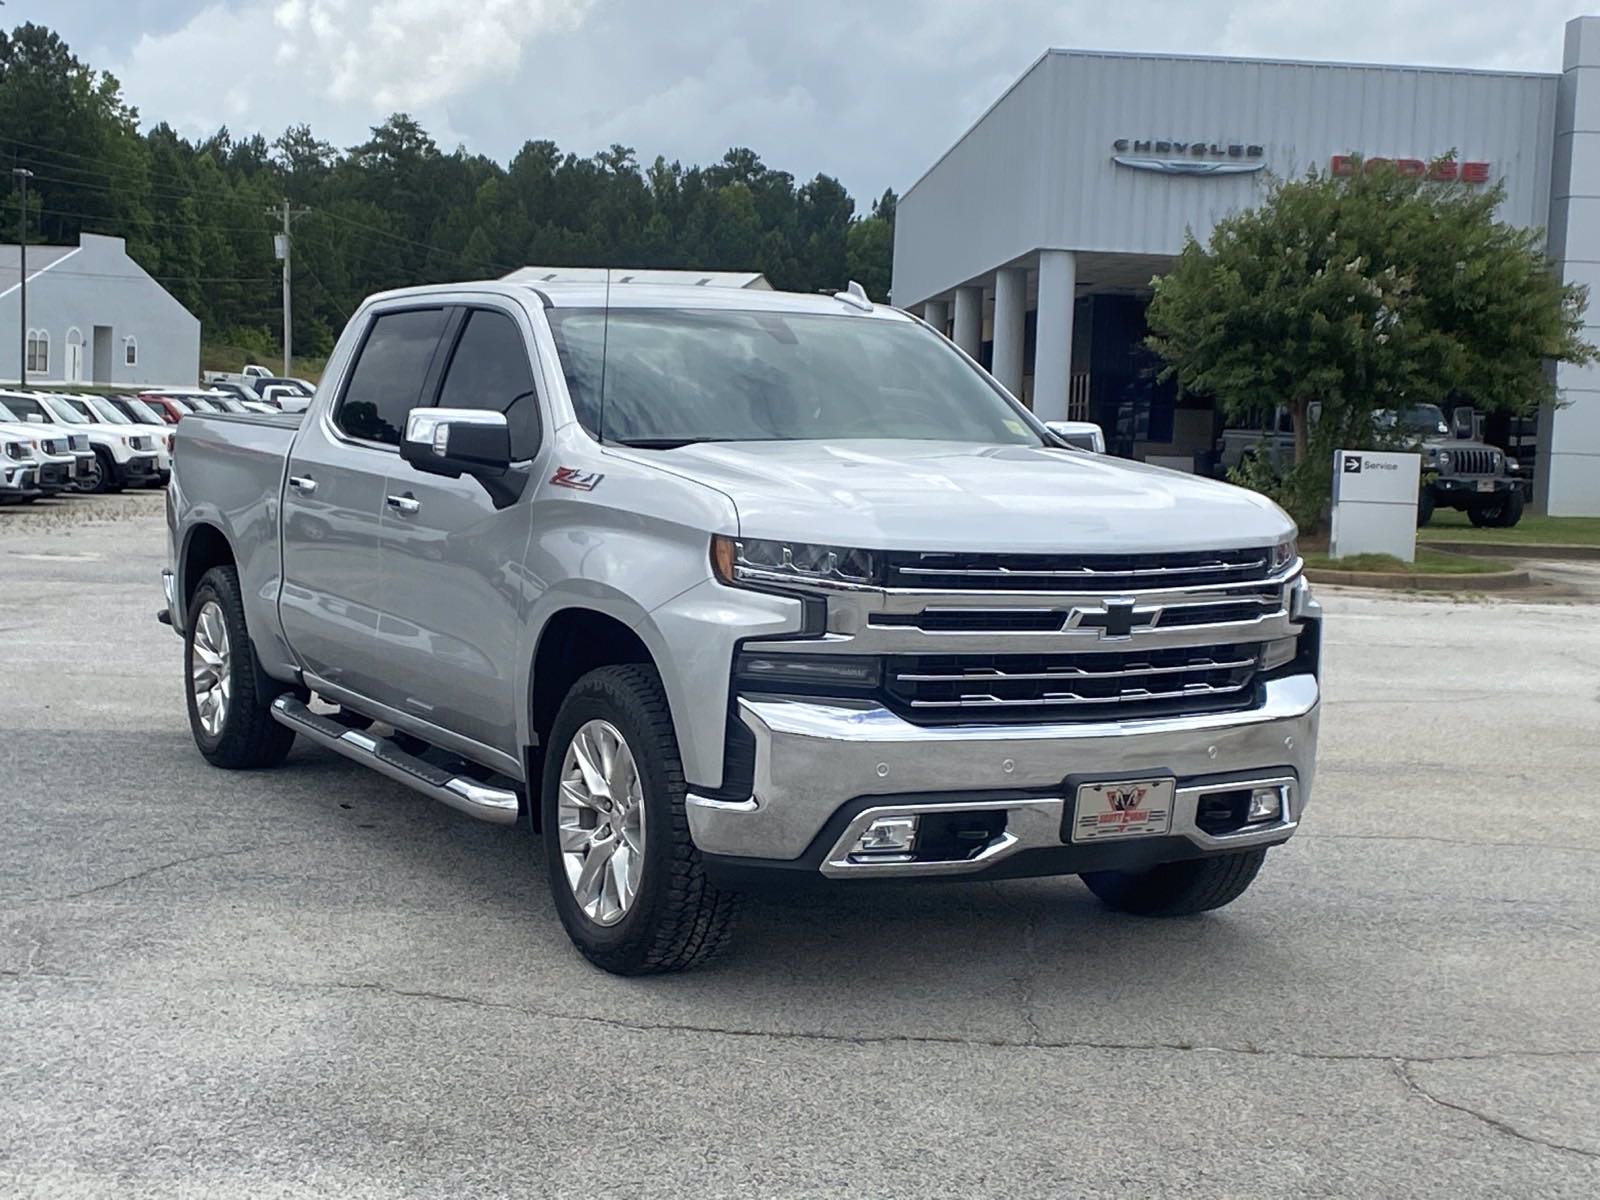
point(231, 477)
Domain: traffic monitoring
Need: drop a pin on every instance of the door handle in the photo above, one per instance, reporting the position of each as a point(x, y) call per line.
point(405, 504)
point(303, 483)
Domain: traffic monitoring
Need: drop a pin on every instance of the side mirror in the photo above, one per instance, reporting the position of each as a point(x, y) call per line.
point(1463, 424)
point(457, 441)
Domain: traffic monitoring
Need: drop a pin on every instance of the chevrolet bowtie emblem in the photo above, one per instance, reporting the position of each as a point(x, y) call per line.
point(1115, 619)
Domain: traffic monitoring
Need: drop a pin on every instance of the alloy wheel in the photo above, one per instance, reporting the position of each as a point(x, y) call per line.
point(211, 668)
point(600, 819)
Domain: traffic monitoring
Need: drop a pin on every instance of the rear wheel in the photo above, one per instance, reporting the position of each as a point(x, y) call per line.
point(627, 879)
point(230, 699)
point(1178, 889)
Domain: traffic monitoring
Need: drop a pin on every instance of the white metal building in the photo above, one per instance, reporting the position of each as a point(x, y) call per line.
point(94, 316)
point(1034, 238)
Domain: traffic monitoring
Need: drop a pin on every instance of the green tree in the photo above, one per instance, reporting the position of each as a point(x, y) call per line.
point(1360, 293)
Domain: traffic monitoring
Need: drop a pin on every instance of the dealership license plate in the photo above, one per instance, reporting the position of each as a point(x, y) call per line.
point(1486, 485)
point(1124, 808)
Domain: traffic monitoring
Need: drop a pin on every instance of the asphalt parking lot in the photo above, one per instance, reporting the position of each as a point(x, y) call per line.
point(311, 982)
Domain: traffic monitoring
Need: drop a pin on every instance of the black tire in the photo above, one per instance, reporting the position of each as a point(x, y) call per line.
point(1424, 507)
point(103, 474)
point(678, 919)
point(1178, 889)
point(1511, 510)
point(248, 737)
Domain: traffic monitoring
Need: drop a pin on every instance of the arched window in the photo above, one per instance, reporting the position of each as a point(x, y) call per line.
point(38, 351)
point(130, 351)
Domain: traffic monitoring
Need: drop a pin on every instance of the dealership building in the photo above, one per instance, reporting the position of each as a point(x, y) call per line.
point(1032, 241)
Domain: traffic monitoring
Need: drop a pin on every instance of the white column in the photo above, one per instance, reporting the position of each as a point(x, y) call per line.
point(1052, 342)
point(1010, 314)
point(1569, 438)
point(969, 319)
point(936, 313)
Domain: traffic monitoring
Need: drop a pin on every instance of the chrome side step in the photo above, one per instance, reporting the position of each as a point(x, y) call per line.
point(498, 805)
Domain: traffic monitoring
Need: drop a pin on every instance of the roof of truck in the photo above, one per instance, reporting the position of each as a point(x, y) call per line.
point(588, 294)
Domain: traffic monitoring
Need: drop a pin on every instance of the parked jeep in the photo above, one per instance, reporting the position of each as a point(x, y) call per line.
point(1459, 473)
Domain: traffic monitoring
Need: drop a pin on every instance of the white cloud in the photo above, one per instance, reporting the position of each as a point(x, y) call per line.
point(356, 60)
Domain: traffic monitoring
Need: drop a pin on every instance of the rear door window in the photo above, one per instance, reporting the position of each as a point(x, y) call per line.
point(490, 369)
point(389, 374)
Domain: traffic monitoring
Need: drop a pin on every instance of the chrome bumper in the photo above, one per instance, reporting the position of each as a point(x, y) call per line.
point(814, 758)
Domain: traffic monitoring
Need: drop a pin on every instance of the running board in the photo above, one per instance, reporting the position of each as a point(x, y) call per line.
point(498, 805)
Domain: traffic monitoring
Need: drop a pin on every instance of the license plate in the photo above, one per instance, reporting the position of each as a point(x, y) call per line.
point(1486, 485)
point(1124, 808)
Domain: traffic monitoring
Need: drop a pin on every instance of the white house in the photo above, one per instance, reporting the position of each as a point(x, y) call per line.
point(94, 316)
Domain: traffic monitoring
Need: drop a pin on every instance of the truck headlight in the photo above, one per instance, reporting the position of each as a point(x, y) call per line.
point(1512, 465)
point(1444, 460)
point(1284, 553)
point(743, 561)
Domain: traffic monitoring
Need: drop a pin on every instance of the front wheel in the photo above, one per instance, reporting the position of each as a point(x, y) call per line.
point(230, 699)
point(1424, 507)
point(1502, 512)
point(627, 879)
point(1178, 889)
point(97, 476)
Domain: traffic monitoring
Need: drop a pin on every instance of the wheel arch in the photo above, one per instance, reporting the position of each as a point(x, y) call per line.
point(205, 546)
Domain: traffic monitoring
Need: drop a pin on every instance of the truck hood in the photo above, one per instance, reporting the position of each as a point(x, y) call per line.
point(913, 495)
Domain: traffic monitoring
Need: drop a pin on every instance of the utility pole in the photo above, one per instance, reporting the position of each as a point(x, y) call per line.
point(282, 246)
point(22, 175)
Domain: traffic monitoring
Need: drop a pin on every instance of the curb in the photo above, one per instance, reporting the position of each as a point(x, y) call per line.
point(1515, 549)
point(1497, 581)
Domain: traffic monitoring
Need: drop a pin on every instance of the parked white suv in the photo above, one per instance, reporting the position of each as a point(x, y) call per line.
point(125, 455)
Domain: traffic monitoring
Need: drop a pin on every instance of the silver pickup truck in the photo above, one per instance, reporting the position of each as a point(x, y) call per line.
point(715, 587)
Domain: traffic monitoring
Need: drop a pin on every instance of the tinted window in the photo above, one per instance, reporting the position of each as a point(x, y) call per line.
point(490, 370)
point(674, 376)
point(389, 375)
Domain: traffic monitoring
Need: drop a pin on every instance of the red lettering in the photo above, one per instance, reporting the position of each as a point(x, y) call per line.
point(1444, 170)
point(1343, 164)
point(1412, 167)
point(1475, 172)
point(1372, 164)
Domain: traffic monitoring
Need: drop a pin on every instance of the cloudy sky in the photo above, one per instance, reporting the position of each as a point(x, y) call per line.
point(871, 91)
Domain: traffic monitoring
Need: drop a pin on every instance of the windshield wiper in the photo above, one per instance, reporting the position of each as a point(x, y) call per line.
point(664, 443)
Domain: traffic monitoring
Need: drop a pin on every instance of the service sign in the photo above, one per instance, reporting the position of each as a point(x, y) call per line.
point(1375, 503)
point(1376, 476)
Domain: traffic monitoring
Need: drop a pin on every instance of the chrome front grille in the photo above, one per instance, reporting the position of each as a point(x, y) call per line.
point(1473, 462)
point(1076, 572)
point(1048, 614)
point(1081, 686)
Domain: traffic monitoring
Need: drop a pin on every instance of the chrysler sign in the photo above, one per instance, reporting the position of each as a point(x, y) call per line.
point(1171, 157)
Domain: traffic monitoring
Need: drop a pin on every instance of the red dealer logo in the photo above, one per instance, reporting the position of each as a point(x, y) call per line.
point(1445, 170)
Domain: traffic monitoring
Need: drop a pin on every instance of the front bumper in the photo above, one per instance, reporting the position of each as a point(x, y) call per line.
point(819, 767)
point(141, 468)
point(1470, 487)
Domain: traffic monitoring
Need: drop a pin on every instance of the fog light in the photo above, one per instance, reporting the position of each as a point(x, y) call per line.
point(1266, 803)
point(887, 836)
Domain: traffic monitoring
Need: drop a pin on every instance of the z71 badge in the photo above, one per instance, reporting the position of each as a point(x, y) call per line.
point(571, 477)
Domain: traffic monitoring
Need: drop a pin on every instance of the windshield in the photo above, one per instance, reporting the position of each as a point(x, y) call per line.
point(678, 376)
point(8, 416)
point(106, 410)
point(1415, 418)
point(140, 411)
point(60, 408)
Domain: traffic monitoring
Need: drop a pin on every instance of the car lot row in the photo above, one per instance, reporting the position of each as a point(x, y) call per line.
point(56, 442)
